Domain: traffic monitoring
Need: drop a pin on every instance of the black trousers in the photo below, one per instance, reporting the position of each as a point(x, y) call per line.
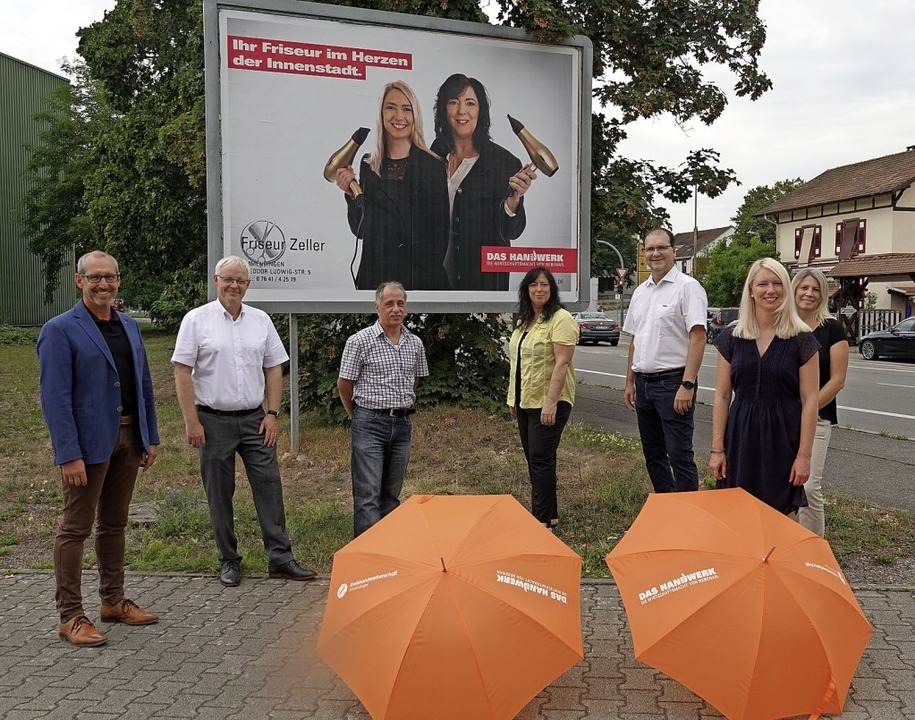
point(540, 443)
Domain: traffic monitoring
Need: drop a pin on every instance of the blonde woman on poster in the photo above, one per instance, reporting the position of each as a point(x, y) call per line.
point(401, 217)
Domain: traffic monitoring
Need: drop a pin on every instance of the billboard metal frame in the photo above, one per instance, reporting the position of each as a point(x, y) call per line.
point(217, 244)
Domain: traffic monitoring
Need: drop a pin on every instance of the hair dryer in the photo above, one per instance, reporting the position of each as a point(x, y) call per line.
point(344, 157)
point(540, 154)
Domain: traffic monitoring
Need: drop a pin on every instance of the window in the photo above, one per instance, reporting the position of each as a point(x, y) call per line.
point(807, 243)
point(850, 238)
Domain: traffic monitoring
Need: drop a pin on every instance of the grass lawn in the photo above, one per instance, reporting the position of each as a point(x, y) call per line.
point(603, 484)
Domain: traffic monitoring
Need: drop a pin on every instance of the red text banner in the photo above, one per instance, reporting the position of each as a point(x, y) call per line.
point(497, 258)
point(297, 58)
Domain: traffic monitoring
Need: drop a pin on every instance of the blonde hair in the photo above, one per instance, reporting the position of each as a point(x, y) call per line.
point(821, 314)
point(787, 322)
point(416, 138)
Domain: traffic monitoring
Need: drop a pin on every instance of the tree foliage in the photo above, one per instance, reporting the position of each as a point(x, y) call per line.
point(746, 225)
point(728, 270)
point(124, 164)
point(753, 238)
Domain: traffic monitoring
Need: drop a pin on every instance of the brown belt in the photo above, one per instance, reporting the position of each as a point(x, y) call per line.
point(126, 419)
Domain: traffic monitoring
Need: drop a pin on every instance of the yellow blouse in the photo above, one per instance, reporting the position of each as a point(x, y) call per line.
point(538, 361)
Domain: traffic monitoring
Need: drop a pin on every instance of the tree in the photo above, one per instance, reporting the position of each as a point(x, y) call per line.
point(136, 131)
point(747, 225)
point(728, 270)
point(753, 238)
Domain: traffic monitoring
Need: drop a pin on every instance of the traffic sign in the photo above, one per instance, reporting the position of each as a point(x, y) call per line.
point(622, 273)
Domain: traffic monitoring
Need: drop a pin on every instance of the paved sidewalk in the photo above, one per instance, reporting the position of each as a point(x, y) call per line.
point(247, 653)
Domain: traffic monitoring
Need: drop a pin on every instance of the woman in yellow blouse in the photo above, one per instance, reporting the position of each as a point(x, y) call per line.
point(541, 387)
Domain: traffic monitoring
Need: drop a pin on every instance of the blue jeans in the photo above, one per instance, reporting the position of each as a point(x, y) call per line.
point(540, 443)
point(667, 436)
point(380, 453)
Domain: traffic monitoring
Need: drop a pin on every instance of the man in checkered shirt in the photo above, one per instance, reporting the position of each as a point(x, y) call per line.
point(379, 373)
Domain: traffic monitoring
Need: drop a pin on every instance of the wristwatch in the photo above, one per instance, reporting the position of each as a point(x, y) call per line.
point(275, 413)
point(688, 384)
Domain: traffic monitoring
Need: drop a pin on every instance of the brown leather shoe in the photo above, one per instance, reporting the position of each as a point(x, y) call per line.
point(79, 631)
point(127, 612)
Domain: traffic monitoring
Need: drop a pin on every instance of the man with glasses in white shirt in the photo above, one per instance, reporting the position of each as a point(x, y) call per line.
point(227, 355)
point(666, 319)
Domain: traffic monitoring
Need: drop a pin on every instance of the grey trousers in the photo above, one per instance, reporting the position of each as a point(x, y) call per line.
point(225, 437)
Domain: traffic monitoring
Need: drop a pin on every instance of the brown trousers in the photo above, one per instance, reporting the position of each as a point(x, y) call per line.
point(106, 495)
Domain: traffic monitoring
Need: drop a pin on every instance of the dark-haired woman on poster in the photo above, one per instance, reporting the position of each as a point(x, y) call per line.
point(485, 184)
point(541, 386)
point(402, 216)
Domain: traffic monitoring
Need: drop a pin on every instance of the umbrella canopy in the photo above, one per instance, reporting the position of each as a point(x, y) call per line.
point(453, 607)
point(740, 604)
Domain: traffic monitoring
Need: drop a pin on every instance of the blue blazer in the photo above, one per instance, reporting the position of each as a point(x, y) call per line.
point(80, 396)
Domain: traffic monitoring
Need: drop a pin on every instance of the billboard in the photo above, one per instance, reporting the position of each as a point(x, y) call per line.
point(346, 147)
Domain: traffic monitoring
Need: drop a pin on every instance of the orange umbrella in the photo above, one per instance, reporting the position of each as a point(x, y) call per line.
point(739, 603)
point(453, 607)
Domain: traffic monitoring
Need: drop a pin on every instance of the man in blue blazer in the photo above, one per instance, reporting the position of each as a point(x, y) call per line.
point(97, 400)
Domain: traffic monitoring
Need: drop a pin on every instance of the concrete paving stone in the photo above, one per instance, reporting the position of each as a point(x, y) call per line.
point(601, 708)
point(185, 705)
point(337, 710)
point(682, 710)
point(564, 714)
point(564, 698)
point(643, 678)
point(146, 711)
point(47, 699)
point(642, 701)
point(870, 690)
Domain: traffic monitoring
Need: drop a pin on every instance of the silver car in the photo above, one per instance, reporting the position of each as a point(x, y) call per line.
point(597, 327)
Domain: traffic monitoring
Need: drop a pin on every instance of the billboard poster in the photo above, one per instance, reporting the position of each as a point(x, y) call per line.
point(349, 147)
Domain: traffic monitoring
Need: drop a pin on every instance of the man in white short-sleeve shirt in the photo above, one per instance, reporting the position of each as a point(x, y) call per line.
point(666, 320)
point(227, 356)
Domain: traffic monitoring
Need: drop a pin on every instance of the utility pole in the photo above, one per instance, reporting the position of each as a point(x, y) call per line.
point(695, 227)
point(619, 277)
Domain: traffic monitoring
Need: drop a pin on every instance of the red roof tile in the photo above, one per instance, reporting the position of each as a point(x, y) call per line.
point(886, 266)
point(890, 173)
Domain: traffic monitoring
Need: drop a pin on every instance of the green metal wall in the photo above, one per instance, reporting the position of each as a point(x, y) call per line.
point(24, 90)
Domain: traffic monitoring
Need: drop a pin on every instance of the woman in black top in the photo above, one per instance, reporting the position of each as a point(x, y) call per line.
point(485, 184)
point(402, 216)
point(810, 296)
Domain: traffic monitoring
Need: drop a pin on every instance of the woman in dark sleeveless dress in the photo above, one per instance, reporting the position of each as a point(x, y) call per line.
point(762, 438)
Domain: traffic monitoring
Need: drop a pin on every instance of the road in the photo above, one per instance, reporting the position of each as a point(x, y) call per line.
point(868, 465)
point(879, 395)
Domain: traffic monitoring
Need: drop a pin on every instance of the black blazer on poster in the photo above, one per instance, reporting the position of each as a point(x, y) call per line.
point(406, 244)
point(479, 219)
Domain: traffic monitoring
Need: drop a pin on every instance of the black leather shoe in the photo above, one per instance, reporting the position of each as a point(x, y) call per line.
point(230, 573)
point(292, 571)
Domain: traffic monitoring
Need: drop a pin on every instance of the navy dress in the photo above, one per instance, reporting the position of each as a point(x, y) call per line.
point(763, 433)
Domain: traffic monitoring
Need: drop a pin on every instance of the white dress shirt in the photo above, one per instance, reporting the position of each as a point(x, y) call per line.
point(659, 319)
point(228, 356)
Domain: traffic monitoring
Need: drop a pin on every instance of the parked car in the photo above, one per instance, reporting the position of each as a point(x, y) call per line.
point(118, 304)
point(897, 342)
point(722, 318)
point(595, 327)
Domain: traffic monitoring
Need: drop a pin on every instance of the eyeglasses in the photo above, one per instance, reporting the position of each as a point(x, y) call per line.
point(657, 249)
point(96, 279)
point(234, 281)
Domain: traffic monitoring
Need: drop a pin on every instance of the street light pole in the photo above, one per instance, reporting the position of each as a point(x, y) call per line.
point(622, 266)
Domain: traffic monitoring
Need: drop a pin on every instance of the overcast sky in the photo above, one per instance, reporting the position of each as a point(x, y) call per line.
point(843, 74)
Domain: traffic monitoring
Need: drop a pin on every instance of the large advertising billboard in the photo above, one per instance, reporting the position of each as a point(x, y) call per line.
point(348, 147)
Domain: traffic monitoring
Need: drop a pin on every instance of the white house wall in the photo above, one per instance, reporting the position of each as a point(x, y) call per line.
point(887, 231)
